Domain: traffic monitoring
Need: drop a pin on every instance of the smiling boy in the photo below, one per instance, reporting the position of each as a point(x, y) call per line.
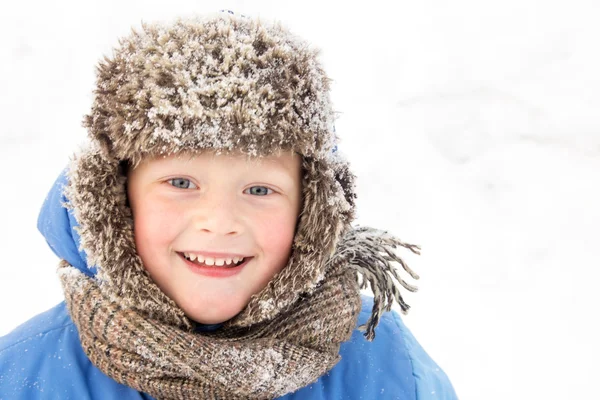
point(194, 213)
point(206, 241)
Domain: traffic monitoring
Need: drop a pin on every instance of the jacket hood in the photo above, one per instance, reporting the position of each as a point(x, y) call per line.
point(58, 226)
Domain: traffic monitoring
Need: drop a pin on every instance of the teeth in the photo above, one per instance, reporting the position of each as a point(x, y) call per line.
point(213, 261)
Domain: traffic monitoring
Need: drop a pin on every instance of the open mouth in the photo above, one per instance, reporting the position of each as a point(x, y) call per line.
point(214, 262)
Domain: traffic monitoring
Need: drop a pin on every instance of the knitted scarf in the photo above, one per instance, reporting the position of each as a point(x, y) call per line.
point(263, 361)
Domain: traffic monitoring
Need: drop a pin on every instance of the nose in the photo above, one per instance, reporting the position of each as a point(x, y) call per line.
point(216, 213)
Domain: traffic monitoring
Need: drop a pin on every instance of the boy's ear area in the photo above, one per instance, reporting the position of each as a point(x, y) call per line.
point(302, 196)
point(124, 169)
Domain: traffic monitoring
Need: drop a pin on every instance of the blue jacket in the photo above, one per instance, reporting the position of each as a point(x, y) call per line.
point(43, 358)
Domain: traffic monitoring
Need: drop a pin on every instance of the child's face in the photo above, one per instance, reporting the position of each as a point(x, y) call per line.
point(207, 204)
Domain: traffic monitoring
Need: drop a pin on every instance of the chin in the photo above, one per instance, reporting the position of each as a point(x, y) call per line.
point(213, 317)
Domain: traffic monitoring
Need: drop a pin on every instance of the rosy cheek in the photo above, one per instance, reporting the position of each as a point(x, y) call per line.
point(155, 226)
point(276, 234)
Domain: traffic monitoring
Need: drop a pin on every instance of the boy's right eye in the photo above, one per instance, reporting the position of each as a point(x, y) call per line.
point(182, 183)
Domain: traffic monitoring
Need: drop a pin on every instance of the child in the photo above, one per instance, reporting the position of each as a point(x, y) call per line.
point(205, 237)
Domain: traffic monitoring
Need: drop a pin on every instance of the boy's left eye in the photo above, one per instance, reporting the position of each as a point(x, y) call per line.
point(259, 190)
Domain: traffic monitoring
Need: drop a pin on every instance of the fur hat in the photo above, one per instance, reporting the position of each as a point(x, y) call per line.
point(223, 83)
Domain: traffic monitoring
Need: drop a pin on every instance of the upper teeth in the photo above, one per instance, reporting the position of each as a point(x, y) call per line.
point(212, 260)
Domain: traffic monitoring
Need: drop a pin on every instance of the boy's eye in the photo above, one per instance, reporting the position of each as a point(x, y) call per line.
point(182, 183)
point(259, 190)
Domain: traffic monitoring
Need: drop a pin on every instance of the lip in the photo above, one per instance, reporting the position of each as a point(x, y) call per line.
point(215, 272)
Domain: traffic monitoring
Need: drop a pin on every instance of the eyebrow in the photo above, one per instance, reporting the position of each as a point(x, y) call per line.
point(274, 167)
point(275, 171)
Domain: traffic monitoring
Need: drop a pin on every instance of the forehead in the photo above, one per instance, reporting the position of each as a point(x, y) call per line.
point(287, 161)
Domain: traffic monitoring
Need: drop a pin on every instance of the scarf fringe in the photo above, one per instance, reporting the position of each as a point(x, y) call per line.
point(371, 252)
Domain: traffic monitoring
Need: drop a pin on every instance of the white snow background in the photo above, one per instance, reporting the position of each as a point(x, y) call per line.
point(473, 127)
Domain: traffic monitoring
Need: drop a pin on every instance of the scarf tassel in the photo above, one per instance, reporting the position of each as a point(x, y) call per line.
point(371, 253)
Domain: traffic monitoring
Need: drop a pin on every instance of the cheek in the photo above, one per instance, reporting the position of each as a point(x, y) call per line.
point(276, 234)
point(155, 227)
